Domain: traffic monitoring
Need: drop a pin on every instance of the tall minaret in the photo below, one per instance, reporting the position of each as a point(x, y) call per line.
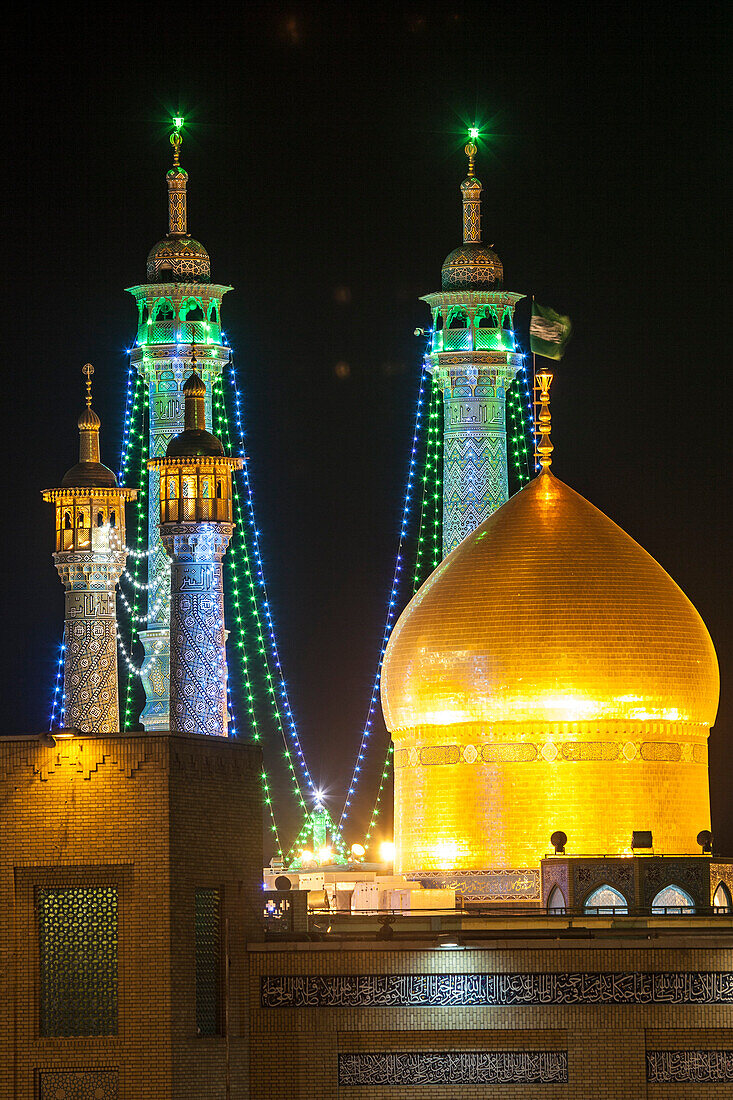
point(195, 509)
point(90, 556)
point(178, 307)
point(472, 355)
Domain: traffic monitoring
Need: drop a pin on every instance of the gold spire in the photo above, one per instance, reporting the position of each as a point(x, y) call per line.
point(176, 142)
point(177, 179)
point(471, 190)
point(88, 423)
point(544, 446)
point(470, 151)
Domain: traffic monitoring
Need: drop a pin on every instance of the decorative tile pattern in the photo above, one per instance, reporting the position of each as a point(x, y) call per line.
point(78, 960)
point(469, 1067)
point(677, 1067)
point(427, 990)
point(83, 1084)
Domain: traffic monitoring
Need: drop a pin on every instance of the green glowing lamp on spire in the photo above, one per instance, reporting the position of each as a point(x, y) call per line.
point(473, 132)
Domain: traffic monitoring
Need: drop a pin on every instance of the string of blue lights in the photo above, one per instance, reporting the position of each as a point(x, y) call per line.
point(392, 602)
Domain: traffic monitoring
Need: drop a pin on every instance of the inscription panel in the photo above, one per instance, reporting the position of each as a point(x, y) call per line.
point(680, 987)
point(678, 1067)
point(468, 1067)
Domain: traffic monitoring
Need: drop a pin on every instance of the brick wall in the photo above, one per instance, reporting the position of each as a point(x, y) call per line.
point(157, 816)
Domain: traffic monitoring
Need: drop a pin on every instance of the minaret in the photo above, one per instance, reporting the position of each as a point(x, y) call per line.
point(178, 307)
point(195, 509)
point(472, 354)
point(90, 556)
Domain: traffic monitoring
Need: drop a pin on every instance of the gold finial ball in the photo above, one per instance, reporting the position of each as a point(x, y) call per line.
point(88, 370)
point(471, 150)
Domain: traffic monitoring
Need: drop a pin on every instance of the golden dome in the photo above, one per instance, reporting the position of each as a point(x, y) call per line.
point(549, 612)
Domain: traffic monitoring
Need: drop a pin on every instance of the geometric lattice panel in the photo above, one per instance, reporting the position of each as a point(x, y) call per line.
point(83, 1084)
point(208, 962)
point(77, 930)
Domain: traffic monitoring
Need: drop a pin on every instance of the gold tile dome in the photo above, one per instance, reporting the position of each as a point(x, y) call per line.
point(549, 613)
point(177, 259)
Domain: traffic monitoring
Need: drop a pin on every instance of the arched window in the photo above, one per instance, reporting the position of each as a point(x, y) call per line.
point(487, 320)
point(438, 322)
point(67, 521)
point(604, 899)
point(213, 316)
point(80, 519)
point(192, 311)
point(721, 898)
point(206, 487)
point(556, 901)
point(673, 899)
point(100, 519)
point(218, 489)
point(111, 519)
point(172, 488)
point(188, 487)
point(144, 315)
point(164, 310)
point(506, 321)
point(458, 320)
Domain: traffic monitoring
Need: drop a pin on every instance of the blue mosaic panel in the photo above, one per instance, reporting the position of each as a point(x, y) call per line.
point(83, 1084)
point(679, 1067)
point(77, 931)
point(208, 962)
point(468, 1067)
point(430, 990)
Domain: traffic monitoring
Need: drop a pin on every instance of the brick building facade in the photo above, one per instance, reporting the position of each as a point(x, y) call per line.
point(127, 864)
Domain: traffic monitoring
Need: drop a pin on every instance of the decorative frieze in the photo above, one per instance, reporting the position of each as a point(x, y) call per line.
point(467, 1067)
point(682, 987)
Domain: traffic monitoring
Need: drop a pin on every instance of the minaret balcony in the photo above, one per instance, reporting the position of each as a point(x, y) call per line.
point(470, 339)
point(179, 332)
point(195, 510)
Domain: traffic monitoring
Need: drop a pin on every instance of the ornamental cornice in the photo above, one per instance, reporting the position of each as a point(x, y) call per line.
point(88, 491)
point(95, 559)
point(472, 297)
point(178, 290)
point(204, 462)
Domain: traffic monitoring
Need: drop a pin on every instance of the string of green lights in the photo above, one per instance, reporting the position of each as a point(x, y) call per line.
point(240, 568)
point(518, 435)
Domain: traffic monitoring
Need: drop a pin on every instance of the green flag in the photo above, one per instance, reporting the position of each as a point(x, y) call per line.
point(549, 332)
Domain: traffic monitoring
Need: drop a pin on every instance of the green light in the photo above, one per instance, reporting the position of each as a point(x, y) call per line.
point(178, 123)
point(473, 132)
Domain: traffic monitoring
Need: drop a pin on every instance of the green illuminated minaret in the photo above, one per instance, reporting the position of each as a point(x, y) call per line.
point(179, 308)
point(472, 354)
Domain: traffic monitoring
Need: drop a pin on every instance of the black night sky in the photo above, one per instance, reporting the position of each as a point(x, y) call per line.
point(324, 153)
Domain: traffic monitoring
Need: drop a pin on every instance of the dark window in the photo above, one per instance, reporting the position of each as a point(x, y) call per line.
point(100, 519)
point(111, 519)
point(77, 931)
point(67, 521)
point(208, 962)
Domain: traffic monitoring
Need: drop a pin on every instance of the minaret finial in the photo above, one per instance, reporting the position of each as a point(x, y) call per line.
point(471, 189)
point(544, 445)
point(177, 140)
point(88, 370)
point(177, 178)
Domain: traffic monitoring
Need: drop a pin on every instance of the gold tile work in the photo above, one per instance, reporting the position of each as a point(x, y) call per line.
point(577, 671)
point(500, 810)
